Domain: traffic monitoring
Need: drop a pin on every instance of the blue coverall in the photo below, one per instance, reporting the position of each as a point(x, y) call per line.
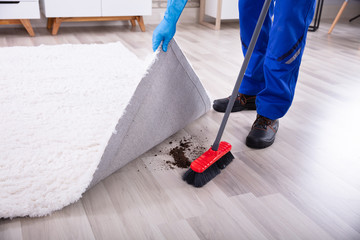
point(274, 66)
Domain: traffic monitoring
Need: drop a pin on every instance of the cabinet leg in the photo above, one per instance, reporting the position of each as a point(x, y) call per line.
point(217, 24)
point(50, 23)
point(56, 26)
point(202, 11)
point(140, 21)
point(218, 15)
point(133, 24)
point(26, 23)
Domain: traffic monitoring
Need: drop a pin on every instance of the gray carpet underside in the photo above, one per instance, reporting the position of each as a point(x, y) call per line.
point(167, 99)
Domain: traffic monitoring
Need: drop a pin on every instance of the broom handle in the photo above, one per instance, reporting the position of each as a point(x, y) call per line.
point(248, 54)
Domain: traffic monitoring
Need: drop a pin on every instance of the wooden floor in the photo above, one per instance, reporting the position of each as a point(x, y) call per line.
point(305, 186)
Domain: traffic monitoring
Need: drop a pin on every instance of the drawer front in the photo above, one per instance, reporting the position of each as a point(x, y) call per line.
point(72, 8)
point(16, 1)
point(126, 8)
point(21, 10)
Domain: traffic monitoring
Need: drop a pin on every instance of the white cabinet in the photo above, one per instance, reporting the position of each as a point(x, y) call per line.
point(71, 8)
point(218, 9)
point(58, 11)
point(229, 9)
point(16, 9)
point(126, 8)
point(19, 12)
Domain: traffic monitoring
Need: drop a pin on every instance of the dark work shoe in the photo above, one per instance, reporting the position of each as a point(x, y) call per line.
point(242, 102)
point(262, 133)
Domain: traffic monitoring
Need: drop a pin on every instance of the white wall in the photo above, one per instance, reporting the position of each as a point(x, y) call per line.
point(331, 8)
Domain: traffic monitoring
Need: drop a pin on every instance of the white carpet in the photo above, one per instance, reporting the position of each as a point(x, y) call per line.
point(59, 106)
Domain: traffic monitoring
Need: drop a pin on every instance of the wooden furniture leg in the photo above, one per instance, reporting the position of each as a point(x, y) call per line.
point(202, 11)
point(56, 25)
point(25, 22)
point(218, 15)
point(338, 16)
point(27, 25)
point(217, 24)
point(50, 23)
point(140, 21)
point(133, 23)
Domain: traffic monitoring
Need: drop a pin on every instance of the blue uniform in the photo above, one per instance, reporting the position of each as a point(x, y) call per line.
point(274, 66)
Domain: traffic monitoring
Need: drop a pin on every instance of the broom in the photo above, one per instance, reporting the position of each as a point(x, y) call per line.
point(209, 164)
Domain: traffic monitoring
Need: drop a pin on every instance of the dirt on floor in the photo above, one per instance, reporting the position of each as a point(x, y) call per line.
point(184, 152)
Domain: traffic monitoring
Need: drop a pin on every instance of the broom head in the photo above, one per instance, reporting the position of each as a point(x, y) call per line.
point(208, 165)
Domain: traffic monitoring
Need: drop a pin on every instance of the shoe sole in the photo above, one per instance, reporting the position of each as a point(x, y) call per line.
point(258, 145)
point(235, 109)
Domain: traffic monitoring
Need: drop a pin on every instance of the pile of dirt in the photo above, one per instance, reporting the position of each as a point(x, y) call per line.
point(184, 153)
point(178, 153)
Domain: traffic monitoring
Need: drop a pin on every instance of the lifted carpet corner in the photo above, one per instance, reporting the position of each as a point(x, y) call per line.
point(168, 98)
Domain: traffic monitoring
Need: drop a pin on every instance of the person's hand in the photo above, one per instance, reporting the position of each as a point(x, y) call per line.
point(164, 32)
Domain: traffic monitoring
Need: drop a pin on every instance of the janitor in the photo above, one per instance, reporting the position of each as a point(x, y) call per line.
point(270, 79)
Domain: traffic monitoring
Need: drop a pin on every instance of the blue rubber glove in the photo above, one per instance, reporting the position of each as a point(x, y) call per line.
point(165, 31)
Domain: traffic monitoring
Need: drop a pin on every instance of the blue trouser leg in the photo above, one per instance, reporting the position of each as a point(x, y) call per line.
point(249, 11)
point(281, 62)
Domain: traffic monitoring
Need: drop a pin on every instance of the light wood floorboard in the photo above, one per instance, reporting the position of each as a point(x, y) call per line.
point(305, 186)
